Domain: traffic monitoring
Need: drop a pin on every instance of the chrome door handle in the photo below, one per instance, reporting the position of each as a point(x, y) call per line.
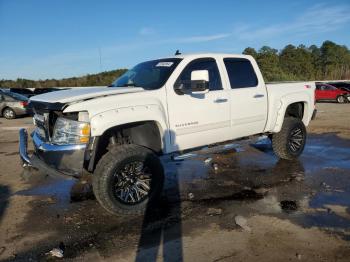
point(259, 95)
point(220, 100)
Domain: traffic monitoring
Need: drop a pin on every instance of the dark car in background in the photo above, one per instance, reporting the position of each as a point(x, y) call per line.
point(22, 91)
point(39, 91)
point(341, 85)
point(12, 104)
point(33, 91)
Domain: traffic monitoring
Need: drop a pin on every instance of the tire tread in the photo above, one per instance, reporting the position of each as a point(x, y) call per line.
point(279, 140)
point(105, 166)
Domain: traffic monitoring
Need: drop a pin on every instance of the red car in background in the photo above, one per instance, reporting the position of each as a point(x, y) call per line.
point(329, 92)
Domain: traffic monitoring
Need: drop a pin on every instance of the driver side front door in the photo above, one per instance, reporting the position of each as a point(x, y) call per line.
point(199, 119)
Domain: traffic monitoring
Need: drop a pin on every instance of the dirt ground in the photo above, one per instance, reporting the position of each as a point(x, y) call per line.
point(287, 211)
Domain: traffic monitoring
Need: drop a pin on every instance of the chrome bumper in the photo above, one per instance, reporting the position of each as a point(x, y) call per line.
point(52, 159)
point(23, 145)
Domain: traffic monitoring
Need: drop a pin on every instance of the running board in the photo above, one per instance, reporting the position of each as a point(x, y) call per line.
point(181, 157)
point(205, 150)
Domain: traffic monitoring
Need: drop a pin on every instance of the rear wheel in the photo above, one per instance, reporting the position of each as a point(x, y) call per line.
point(128, 179)
point(9, 113)
point(289, 143)
point(341, 99)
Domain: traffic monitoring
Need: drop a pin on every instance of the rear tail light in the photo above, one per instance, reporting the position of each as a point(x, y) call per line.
point(24, 103)
point(308, 87)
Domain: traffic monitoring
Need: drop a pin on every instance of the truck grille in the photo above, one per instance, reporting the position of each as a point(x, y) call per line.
point(45, 116)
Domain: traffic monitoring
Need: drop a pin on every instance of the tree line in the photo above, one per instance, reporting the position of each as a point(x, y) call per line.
point(330, 61)
point(100, 79)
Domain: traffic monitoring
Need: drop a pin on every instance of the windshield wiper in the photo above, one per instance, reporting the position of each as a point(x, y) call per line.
point(129, 84)
point(125, 85)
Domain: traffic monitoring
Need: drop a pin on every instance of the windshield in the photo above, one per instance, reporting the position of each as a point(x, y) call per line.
point(148, 75)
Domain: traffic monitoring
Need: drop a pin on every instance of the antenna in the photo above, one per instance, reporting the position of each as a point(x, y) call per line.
point(99, 52)
point(177, 52)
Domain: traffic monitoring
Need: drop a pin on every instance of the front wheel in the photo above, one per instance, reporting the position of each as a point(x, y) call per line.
point(128, 179)
point(341, 99)
point(289, 143)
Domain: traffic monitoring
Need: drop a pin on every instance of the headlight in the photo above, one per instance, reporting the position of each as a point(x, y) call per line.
point(68, 131)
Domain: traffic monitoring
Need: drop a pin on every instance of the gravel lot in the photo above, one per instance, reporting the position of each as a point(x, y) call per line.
point(242, 204)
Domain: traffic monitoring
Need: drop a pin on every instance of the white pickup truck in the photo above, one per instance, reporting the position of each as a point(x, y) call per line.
point(163, 106)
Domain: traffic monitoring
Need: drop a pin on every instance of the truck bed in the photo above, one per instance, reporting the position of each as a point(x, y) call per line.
point(280, 93)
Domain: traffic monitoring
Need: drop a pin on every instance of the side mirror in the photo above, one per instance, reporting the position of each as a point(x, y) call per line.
point(199, 81)
point(198, 84)
point(198, 75)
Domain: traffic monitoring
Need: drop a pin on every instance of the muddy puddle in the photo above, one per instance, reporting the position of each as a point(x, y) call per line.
point(244, 178)
point(58, 189)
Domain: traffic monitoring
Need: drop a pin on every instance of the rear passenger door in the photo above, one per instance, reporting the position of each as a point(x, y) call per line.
point(332, 92)
point(248, 97)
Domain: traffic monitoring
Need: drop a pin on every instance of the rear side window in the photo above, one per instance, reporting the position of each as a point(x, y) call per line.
point(240, 72)
point(321, 87)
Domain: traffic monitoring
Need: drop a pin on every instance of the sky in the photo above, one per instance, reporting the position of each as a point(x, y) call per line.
point(42, 39)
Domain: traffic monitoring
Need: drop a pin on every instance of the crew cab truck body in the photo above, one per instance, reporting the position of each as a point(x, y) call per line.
point(159, 107)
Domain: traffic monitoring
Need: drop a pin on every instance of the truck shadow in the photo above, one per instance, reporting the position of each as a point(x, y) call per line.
point(152, 239)
point(4, 199)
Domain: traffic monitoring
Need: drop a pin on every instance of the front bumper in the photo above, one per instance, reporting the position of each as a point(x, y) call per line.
point(52, 159)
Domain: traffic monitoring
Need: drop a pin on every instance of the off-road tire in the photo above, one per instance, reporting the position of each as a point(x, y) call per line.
point(115, 159)
point(341, 99)
point(281, 141)
point(8, 113)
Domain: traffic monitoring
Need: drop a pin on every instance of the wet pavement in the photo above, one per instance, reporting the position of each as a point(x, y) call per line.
point(244, 178)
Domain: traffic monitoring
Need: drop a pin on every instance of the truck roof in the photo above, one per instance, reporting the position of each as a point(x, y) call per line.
point(199, 55)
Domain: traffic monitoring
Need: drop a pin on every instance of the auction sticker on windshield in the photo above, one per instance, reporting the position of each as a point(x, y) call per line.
point(165, 64)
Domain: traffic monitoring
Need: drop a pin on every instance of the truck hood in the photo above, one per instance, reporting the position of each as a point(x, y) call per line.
point(82, 93)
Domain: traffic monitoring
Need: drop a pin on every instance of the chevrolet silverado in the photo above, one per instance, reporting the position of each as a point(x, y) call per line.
point(165, 106)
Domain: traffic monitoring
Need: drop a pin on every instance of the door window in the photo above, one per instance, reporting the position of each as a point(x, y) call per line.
point(201, 64)
point(240, 72)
